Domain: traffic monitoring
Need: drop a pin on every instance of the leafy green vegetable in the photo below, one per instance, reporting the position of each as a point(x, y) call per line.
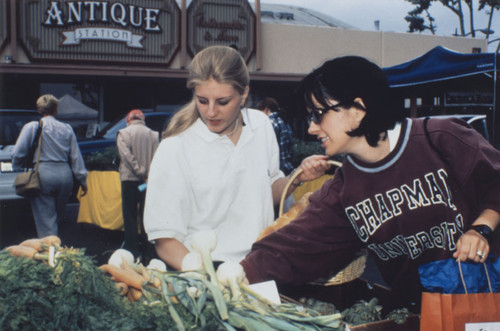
point(399, 315)
point(363, 312)
point(74, 295)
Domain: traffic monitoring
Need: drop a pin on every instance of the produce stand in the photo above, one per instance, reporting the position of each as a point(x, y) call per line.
point(46, 286)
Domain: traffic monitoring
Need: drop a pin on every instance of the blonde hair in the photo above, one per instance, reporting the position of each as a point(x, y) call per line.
point(221, 63)
point(47, 104)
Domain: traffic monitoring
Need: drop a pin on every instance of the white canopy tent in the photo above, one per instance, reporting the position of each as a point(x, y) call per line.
point(82, 118)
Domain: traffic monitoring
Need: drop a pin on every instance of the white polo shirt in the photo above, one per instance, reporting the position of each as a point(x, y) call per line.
point(200, 180)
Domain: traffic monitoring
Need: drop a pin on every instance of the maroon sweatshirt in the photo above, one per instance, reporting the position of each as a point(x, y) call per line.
point(408, 209)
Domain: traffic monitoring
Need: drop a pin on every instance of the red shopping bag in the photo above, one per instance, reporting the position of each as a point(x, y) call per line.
point(451, 312)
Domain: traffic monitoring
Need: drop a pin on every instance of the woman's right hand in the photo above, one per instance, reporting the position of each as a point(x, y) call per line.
point(313, 167)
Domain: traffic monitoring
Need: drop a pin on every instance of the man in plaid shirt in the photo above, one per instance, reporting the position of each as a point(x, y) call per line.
point(283, 132)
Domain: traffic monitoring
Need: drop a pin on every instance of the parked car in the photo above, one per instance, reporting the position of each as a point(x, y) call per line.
point(11, 123)
point(157, 121)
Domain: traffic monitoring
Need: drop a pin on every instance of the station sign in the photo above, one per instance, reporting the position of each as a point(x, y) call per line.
point(127, 31)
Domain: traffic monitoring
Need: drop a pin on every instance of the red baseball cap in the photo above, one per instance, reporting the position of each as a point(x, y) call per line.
point(135, 114)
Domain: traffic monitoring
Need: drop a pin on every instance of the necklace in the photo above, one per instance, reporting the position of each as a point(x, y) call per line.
point(236, 127)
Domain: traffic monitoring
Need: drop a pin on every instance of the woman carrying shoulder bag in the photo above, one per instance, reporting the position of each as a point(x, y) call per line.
point(59, 160)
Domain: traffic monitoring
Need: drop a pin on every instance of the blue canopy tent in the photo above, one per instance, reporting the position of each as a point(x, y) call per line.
point(440, 64)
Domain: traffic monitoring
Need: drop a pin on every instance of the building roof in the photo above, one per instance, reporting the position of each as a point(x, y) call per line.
point(286, 14)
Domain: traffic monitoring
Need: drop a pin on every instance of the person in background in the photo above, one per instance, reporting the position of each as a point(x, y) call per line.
point(136, 145)
point(217, 167)
point(60, 160)
point(410, 190)
point(283, 132)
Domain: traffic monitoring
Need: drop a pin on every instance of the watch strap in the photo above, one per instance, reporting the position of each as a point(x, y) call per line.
point(483, 230)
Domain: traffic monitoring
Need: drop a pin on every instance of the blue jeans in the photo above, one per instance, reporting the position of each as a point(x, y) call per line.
point(56, 182)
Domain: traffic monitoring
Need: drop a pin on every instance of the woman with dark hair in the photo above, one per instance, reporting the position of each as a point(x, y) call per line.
point(60, 160)
point(410, 191)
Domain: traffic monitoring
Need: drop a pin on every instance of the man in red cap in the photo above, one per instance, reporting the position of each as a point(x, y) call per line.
point(136, 146)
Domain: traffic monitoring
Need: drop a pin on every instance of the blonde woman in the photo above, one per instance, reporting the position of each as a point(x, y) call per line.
point(217, 166)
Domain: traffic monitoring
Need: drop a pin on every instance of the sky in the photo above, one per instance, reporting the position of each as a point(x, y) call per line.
point(391, 13)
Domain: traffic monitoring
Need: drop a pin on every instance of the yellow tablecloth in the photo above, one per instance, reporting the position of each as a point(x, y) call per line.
point(102, 205)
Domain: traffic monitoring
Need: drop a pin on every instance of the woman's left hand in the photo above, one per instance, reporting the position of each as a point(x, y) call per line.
point(472, 246)
point(313, 167)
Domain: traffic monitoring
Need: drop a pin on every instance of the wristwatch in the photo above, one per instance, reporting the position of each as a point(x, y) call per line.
point(483, 230)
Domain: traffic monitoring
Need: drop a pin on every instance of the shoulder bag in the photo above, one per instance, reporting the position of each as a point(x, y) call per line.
point(27, 184)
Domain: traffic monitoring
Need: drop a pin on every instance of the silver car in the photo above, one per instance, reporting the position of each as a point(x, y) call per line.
point(11, 123)
point(477, 121)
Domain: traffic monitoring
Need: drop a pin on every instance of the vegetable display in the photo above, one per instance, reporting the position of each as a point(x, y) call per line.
point(45, 286)
point(60, 288)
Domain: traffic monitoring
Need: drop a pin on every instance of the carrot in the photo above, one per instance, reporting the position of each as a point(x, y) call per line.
point(129, 277)
point(51, 240)
point(173, 297)
point(24, 251)
point(122, 288)
point(129, 296)
point(33, 243)
point(146, 274)
point(136, 294)
point(156, 282)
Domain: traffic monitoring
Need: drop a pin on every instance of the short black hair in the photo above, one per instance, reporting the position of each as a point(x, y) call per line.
point(346, 78)
point(270, 103)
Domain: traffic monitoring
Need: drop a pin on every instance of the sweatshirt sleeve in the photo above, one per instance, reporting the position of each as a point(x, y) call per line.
point(474, 161)
point(319, 243)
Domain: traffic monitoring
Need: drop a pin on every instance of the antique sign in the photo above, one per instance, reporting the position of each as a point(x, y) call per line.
point(100, 31)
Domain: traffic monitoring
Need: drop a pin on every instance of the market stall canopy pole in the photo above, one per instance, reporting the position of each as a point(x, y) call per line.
point(495, 98)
